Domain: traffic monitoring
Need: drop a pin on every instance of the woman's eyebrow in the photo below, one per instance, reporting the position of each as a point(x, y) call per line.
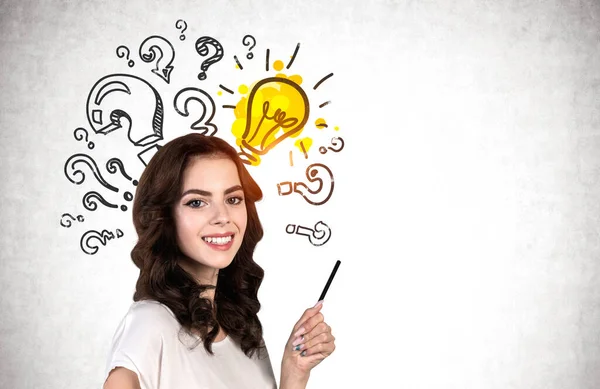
point(209, 194)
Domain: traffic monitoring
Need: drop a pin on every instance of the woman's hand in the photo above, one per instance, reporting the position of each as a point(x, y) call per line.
point(311, 341)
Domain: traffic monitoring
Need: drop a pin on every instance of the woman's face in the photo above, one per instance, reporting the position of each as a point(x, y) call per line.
point(210, 216)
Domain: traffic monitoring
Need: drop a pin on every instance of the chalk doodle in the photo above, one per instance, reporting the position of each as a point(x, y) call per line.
point(123, 51)
point(67, 218)
point(90, 201)
point(114, 164)
point(249, 41)
point(336, 141)
point(160, 49)
point(119, 98)
point(78, 134)
point(268, 111)
point(184, 97)
point(317, 196)
point(304, 145)
point(271, 110)
point(77, 176)
point(284, 106)
point(181, 24)
point(317, 236)
point(202, 47)
point(103, 237)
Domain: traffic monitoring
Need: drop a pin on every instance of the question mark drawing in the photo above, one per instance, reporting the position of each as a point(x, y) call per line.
point(334, 142)
point(182, 101)
point(123, 51)
point(313, 172)
point(178, 25)
point(78, 136)
point(112, 165)
point(76, 176)
point(158, 48)
point(202, 45)
point(246, 42)
point(317, 236)
point(103, 237)
point(90, 201)
point(123, 101)
point(66, 222)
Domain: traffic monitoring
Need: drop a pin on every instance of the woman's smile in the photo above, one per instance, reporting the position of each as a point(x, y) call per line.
point(222, 242)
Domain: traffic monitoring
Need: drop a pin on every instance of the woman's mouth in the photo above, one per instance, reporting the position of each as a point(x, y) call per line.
point(222, 243)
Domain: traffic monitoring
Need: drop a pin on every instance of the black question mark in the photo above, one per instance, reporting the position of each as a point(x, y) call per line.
point(123, 51)
point(178, 26)
point(202, 48)
point(78, 136)
point(246, 42)
point(112, 165)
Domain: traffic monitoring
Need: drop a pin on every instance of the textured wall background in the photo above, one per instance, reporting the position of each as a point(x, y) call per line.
point(465, 210)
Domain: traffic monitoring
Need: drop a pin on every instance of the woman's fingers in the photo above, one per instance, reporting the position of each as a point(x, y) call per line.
point(307, 320)
point(321, 333)
point(318, 351)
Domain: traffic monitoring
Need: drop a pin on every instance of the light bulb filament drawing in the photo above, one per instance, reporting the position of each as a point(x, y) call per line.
point(277, 108)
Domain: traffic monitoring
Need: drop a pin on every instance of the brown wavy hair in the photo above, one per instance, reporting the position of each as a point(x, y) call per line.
point(156, 252)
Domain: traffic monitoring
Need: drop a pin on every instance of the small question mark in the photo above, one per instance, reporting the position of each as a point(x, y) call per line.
point(334, 142)
point(112, 165)
point(246, 42)
point(123, 51)
point(67, 222)
point(312, 174)
point(178, 26)
point(72, 174)
point(89, 201)
point(103, 237)
point(78, 136)
point(157, 48)
point(202, 48)
point(317, 236)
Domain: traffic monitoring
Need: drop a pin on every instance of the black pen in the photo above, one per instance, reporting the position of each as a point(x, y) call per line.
point(337, 264)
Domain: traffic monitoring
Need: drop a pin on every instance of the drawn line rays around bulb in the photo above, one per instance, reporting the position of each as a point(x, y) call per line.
point(324, 104)
point(321, 81)
point(303, 150)
point(293, 56)
point(229, 106)
point(226, 89)
point(291, 159)
point(238, 62)
point(267, 60)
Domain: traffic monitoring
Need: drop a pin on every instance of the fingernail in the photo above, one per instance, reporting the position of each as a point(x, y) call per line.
point(299, 332)
point(298, 347)
point(298, 340)
point(303, 353)
point(320, 302)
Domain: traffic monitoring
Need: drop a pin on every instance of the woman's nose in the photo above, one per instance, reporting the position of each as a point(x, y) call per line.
point(221, 214)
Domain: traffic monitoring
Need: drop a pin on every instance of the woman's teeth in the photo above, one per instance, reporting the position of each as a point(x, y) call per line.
point(218, 241)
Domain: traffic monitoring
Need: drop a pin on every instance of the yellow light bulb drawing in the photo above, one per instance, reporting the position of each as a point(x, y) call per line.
point(277, 108)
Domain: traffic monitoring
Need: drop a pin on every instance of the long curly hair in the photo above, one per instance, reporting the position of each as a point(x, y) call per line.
point(156, 252)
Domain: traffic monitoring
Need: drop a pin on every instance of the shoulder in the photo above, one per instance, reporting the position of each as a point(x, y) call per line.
point(150, 309)
point(147, 319)
point(139, 340)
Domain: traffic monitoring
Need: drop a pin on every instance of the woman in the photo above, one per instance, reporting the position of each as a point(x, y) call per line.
point(194, 323)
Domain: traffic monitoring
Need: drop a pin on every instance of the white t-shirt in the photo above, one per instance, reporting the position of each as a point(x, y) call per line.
point(148, 342)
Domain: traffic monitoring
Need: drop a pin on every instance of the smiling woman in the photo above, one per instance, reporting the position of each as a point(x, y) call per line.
point(195, 216)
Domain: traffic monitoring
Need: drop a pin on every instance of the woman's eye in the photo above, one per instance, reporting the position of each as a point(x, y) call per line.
point(234, 200)
point(195, 203)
